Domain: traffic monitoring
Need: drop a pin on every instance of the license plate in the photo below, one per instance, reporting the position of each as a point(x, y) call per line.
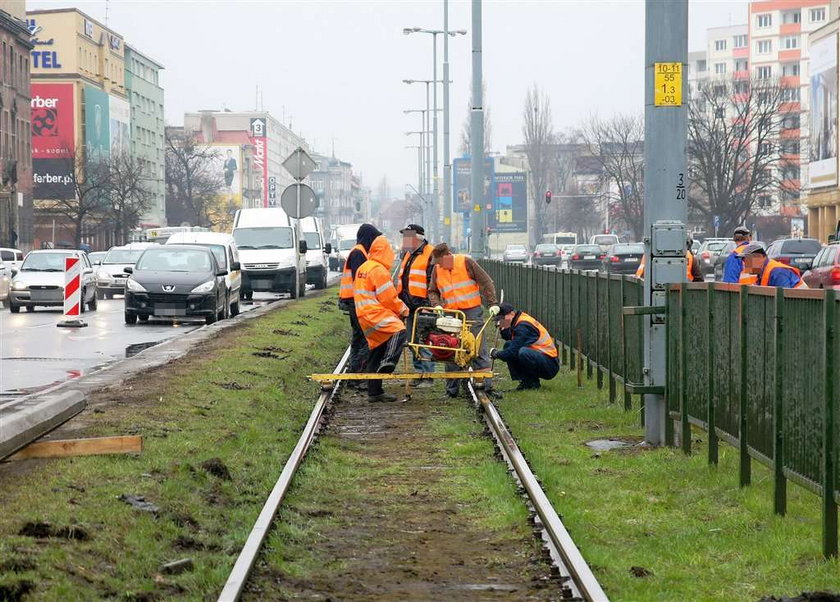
point(46, 296)
point(262, 284)
point(589, 257)
point(629, 260)
point(168, 310)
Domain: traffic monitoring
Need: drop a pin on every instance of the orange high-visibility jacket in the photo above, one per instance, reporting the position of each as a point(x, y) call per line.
point(457, 289)
point(771, 265)
point(418, 281)
point(377, 306)
point(346, 289)
point(544, 344)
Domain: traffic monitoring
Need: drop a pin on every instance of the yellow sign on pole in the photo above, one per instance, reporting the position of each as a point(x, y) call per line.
point(667, 84)
point(477, 208)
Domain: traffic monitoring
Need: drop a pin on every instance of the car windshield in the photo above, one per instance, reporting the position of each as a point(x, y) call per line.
point(587, 249)
point(545, 248)
point(804, 246)
point(346, 244)
point(313, 241)
point(172, 259)
point(44, 262)
point(715, 246)
point(123, 256)
point(515, 248)
point(629, 249)
point(218, 250)
point(264, 238)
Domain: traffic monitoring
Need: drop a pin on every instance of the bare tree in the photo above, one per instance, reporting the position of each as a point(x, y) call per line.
point(128, 195)
point(541, 152)
point(735, 153)
point(617, 145)
point(193, 185)
point(464, 146)
point(578, 212)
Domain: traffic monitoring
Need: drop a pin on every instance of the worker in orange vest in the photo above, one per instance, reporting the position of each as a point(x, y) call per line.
point(529, 352)
point(458, 282)
point(381, 315)
point(357, 256)
point(413, 286)
point(760, 270)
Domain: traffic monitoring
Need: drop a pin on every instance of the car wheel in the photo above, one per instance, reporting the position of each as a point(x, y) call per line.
point(130, 318)
point(143, 318)
point(224, 314)
point(248, 295)
point(234, 307)
point(82, 302)
point(210, 319)
point(30, 308)
point(101, 295)
point(109, 295)
point(92, 304)
point(302, 287)
point(14, 308)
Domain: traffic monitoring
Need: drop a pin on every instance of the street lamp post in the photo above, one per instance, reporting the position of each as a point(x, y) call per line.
point(423, 141)
point(428, 182)
point(419, 163)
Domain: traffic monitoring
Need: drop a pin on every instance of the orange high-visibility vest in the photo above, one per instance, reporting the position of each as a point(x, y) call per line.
point(689, 263)
point(418, 283)
point(544, 343)
point(778, 265)
point(346, 289)
point(640, 271)
point(377, 306)
point(457, 289)
point(747, 278)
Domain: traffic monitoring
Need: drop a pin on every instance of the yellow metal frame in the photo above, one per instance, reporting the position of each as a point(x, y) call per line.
point(470, 343)
point(326, 378)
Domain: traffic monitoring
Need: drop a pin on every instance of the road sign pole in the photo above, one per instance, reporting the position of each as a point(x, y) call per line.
point(476, 137)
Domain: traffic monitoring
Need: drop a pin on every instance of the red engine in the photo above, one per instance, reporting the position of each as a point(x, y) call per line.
point(442, 339)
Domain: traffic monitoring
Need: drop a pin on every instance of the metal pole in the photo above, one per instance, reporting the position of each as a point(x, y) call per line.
point(297, 243)
point(476, 135)
point(428, 144)
point(435, 222)
point(666, 41)
point(425, 129)
point(447, 168)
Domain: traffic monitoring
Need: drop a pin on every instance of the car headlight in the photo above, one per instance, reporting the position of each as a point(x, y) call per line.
point(19, 286)
point(102, 275)
point(204, 288)
point(134, 286)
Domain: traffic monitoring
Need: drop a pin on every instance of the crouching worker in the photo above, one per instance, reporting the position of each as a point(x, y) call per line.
point(380, 312)
point(529, 351)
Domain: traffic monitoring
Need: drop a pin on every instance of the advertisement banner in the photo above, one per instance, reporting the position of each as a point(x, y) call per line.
point(462, 171)
point(259, 142)
point(227, 161)
point(97, 123)
point(510, 207)
point(822, 168)
point(53, 140)
point(120, 125)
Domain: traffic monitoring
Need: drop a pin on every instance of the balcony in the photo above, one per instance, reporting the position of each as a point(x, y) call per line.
point(786, 56)
point(789, 29)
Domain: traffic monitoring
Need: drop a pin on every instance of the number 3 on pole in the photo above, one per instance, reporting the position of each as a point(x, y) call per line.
point(667, 84)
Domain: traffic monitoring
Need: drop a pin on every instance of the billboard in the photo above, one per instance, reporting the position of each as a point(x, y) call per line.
point(822, 168)
point(257, 135)
point(119, 124)
point(462, 171)
point(53, 140)
point(510, 205)
point(97, 123)
point(227, 162)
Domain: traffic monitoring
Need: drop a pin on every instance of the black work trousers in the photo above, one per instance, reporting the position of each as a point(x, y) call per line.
point(529, 366)
point(358, 344)
point(388, 352)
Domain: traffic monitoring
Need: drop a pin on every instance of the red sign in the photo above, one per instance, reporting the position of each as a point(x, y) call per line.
point(257, 134)
point(52, 121)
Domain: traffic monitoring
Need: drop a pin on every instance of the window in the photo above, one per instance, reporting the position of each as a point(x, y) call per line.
point(790, 69)
point(791, 16)
point(741, 65)
point(763, 72)
point(765, 20)
point(720, 45)
point(720, 68)
point(764, 47)
point(740, 41)
point(765, 201)
point(790, 94)
point(817, 15)
point(790, 147)
point(701, 66)
point(790, 42)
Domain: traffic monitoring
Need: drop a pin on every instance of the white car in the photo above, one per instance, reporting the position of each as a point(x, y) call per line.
point(5, 283)
point(110, 273)
point(227, 256)
point(11, 257)
point(40, 281)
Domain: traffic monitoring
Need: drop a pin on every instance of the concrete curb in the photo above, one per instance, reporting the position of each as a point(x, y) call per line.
point(32, 417)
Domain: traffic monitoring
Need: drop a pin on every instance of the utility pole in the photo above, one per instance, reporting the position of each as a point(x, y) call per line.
point(476, 137)
point(665, 209)
point(447, 168)
point(435, 221)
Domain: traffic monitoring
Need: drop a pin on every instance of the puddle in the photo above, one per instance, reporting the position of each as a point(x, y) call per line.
point(136, 348)
point(608, 444)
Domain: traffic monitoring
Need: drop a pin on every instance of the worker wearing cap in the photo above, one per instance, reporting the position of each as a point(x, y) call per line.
point(413, 285)
point(762, 271)
point(458, 282)
point(734, 264)
point(380, 313)
point(529, 352)
point(357, 256)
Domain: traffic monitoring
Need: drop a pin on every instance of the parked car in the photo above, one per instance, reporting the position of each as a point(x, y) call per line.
point(623, 258)
point(110, 275)
point(227, 256)
point(605, 241)
point(565, 253)
point(11, 257)
point(825, 269)
point(586, 257)
point(40, 281)
point(176, 281)
point(796, 252)
point(720, 260)
point(708, 252)
point(515, 253)
point(546, 254)
point(5, 283)
point(96, 257)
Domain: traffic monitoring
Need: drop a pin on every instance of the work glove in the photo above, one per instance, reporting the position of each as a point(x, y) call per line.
point(493, 353)
point(494, 311)
point(438, 309)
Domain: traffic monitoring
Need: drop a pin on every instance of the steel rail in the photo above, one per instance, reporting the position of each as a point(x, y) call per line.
point(247, 557)
point(581, 580)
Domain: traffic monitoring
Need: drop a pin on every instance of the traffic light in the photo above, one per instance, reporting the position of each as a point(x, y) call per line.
point(489, 230)
point(548, 197)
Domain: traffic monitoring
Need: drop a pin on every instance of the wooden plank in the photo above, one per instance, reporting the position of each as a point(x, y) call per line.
point(62, 448)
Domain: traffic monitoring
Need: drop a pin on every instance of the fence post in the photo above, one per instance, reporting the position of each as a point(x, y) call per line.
point(685, 425)
point(628, 397)
point(611, 373)
point(565, 316)
point(779, 481)
point(829, 451)
point(599, 373)
point(710, 375)
point(745, 468)
point(590, 348)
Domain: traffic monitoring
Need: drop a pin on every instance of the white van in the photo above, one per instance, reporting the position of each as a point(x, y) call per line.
point(266, 241)
point(227, 256)
point(316, 251)
point(344, 239)
point(605, 241)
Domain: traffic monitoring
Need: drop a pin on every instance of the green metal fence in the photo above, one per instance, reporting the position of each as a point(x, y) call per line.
point(756, 367)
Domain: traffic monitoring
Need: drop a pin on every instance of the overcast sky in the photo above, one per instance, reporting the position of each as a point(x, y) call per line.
point(335, 69)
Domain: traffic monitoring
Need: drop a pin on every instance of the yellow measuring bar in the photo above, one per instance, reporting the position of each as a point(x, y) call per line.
point(323, 378)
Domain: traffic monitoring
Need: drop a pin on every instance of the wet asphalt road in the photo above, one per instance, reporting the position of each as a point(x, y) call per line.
point(35, 354)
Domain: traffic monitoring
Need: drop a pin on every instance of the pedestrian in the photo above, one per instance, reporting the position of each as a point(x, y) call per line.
point(413, 287)
point(734, 264)
point(357, 256)
point(760, 270)
point(529, 352)
point(380, 313)
point(458, 282)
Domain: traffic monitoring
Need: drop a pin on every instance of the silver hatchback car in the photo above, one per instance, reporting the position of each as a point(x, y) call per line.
point(515, 253)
